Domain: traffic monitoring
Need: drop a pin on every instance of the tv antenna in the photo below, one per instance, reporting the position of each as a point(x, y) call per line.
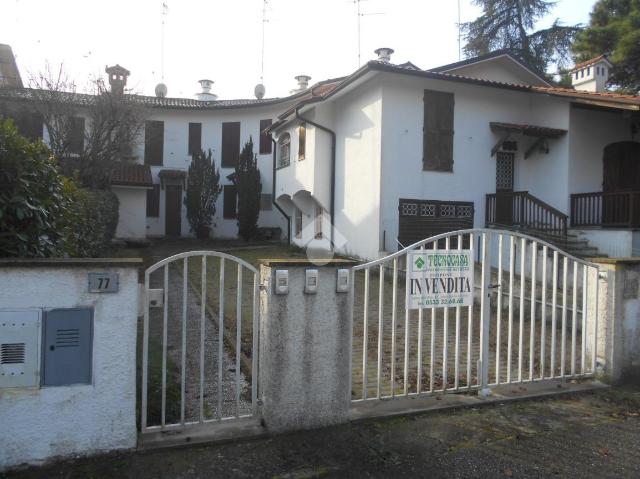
point(459, 34)
point(360, 15)
point(165, 11)
point(264, 23)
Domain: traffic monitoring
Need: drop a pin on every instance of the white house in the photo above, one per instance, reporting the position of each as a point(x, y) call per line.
point(393, 154)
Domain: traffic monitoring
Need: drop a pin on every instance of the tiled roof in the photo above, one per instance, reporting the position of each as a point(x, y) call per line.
point(168, 173)
point(528, 130)
point(132, 175)
point(569, 93)
point(590, 62)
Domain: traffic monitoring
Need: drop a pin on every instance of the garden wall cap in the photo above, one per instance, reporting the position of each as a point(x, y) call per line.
point(317, 263)
point(70, 262)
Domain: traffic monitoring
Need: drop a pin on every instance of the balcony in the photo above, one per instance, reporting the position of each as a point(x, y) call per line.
point(607, 210)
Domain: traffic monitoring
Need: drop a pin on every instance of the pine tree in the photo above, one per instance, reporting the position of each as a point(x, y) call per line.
point(203, 188)
point(249, 187)
point(614, 30)
point(509, 24)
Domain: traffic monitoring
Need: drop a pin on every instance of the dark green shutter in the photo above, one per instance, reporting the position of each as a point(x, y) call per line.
point(230, 144)
point(438, 131)
point(265, 138)
point(76, 135)
point(229, 202)
point(195, 138)
point(153, 142)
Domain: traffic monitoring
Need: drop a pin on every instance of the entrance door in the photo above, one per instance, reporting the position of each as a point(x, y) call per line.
point(504, 188)
point(173, 210)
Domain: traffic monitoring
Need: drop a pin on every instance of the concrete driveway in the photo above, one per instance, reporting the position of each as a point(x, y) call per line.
point(589, 435)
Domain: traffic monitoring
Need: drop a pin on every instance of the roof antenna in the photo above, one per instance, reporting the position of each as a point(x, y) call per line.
point(360, 15)
point(459, 34)
point(259, 90)
point(165, 10)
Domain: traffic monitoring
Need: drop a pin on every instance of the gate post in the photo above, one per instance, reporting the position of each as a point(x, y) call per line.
point(485, 306)
point(305, 354)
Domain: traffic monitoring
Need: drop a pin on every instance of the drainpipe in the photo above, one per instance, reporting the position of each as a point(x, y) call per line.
point(333, 169)
point(273, 193)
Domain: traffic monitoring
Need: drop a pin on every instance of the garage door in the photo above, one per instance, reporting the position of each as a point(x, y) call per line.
point(420, 219)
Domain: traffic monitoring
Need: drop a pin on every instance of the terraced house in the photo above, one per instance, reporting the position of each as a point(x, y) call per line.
point(392, 154)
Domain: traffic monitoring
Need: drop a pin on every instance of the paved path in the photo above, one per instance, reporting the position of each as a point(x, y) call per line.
point(592, 435)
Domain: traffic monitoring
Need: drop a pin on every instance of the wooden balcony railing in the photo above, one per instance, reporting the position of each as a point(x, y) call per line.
point(522, 210)
point(614, 210)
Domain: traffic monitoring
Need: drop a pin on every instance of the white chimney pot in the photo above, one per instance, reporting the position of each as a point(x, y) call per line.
point(384, 54)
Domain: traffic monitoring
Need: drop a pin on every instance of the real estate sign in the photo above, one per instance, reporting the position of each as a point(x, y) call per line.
point(439, 278)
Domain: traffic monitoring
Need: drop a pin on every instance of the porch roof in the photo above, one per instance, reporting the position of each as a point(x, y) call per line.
point(132, 175)
point(528, 130)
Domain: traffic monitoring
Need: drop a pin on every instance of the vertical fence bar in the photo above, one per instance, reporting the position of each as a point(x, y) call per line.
point(255, 347)
point(445, 334)
point(470, 317)
point(432, 353)
point(406, 338)
point(554, 315)
point(365, 333)
point(543, 313)
point(352, 303)
point(183, 352)
point(165, 316)
point(145, 354)
point(574, 318)
point(523, 255)
point(380, 329)
point(203, 303)
point(420, 338)
point(532, 336)
point(583, 335)
point(485, 313)
point(394, 306)
point(499, 310)
point(512, 267)
point(238, 337)
point(456, 369)
point(594, 357)
point(220, 338)
point(563, 336)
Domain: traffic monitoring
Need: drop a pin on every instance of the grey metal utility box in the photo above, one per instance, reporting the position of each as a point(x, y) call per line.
point(19, 348)
point(67, 348)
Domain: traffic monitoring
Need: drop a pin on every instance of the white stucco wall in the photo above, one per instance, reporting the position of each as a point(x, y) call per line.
point(591, 131)
point(474, 168)
point(501, 69)
point(615, 243)
point(132, 212)
point(176, 136)
point(42, 423)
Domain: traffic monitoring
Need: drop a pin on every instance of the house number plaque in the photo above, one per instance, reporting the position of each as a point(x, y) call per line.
point(103, 282)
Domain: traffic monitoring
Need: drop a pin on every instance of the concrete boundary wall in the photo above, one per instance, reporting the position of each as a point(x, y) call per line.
point(44, 422)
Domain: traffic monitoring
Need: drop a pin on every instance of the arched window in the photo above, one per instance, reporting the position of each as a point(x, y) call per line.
point(284, 150)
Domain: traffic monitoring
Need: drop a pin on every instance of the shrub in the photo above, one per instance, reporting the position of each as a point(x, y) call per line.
point(33, 199)
point(203, 188)
point(249, 186)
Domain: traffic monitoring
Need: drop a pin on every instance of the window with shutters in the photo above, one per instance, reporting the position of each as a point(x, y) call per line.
point(302, 141)
point(75, 136)
point(318, 222)
point(265, 138)
point(298, 223)
point(229, 202)
point(153, 142)
point(438, 131)
point(284, 153)
point(153, 202)
point(230, 144)
point(195, 138)
point(266, 203)
point(29, 124)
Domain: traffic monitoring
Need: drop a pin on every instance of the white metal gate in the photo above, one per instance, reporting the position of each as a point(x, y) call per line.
point(199, 342)
point(530, 320)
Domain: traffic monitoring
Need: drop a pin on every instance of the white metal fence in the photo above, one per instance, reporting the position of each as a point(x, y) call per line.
point(529, 320)
point(200, 341)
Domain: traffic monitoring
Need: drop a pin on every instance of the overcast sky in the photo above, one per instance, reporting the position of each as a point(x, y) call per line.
point(221, 39)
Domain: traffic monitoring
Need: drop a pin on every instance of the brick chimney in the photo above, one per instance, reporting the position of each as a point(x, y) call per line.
point(117, 78)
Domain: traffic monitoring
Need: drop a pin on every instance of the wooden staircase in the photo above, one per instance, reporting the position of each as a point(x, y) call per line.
point(521, 211)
